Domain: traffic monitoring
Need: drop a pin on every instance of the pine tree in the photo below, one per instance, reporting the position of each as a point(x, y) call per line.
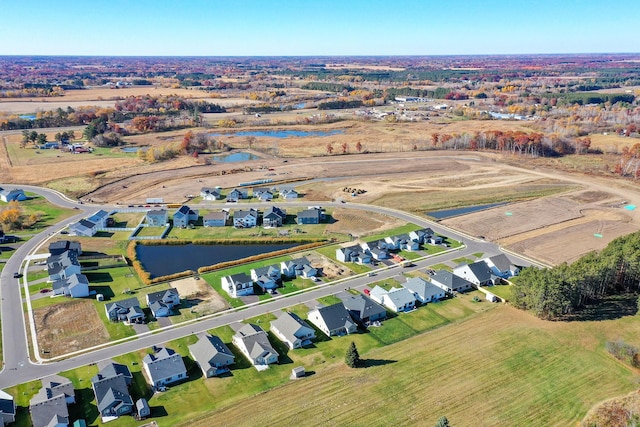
point(442, 422)
point(352, 358)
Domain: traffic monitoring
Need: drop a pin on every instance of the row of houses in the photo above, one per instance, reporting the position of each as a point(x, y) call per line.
point(366, 252)
point(262, 194)
point(268, 277)
point(161, 304)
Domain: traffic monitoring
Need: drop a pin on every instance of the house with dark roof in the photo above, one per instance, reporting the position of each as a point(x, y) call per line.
point(208, 193)
point(49, 407)
point(263, 194)
point(502, 266)
point(161, 303)
point(299, 267)
point(212, 355)
point(254, 343)
point(292, 330)
point(274, 217)
point(215, 219)
point(74, 286)
point(157, 217)
point(99, 218)
point(423, 290)
point(7, 408)
point(237, 285)
point(237, 194)
point(245, 218)
point(267, 277)
point(421, 235)
point(62, 266)
point(377, 249)
point(7, 195)
point(111, 388)
point(127, 310)
point(60, 246)
point(83, 228)
point(309, 216)
point(477, 273)
point(353, 253)
point(333, 320)
point(407, 243)
point(164, 367)
point(450, 282)
point(184, 216)
point(363, 309)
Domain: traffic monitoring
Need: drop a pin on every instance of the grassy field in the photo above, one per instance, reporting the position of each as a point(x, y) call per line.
point(49, 214)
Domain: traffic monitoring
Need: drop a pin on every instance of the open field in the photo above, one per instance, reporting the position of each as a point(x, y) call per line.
point(556, 370)
point(611, 143)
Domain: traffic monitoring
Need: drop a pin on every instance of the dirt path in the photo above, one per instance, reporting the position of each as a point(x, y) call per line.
point(5, 162)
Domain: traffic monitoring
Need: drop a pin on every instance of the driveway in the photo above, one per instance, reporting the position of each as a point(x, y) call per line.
point(164, 321)
point(140, 328)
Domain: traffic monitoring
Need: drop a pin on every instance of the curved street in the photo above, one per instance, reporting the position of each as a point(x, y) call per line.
point(18, 368)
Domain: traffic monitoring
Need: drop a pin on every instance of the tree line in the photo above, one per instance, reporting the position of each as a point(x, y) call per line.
point(562, 290)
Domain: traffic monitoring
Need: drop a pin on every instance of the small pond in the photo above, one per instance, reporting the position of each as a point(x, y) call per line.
point(235, 157)
point(134, 149)
point(281, 133)
point(163, 260)
point(448, 213)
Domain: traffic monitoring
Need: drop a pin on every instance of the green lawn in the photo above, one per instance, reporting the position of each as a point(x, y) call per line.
point(150, 231)
point(503, 291)
point(463, 260)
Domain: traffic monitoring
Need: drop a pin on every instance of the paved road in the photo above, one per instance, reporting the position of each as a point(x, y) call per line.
point(19, 369)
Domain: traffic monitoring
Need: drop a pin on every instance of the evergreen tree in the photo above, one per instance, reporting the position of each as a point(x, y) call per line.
point(352, 358)
point(442, 422)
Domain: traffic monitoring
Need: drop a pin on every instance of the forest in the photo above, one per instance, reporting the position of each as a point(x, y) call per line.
point(556, 292)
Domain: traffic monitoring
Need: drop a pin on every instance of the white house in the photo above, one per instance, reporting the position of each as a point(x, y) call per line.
point(245, 218)
point(292, 330)
point(288, 193)
point(267, 277)
point(164, 367)
point(208, 193)
point(212, 355)
point(161, 303)
point(423, 290)
point(215, 219)
point(477, 273)
point(184, 216)
point(99, 218)
point(450, 282)
point(254, 343)
point(74, 286)
point(396, 299)
point(83, 228)
point(237, 285)
point(157, 217)
point(502, 266)
point(333, 320)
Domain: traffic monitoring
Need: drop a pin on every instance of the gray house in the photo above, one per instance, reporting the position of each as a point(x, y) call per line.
point(83, 227)
point(125, 310)
point(292, 330)
point(423, 290)
point(245, 218)
point(267, 277)
point(99, 218)
point(274, 217)
point(60, 246)
point(450, 282)
point(237, 285)
point(7, 408)
point(208, 193)
point(142, 408)
point(215, 219)
point(254, 343)
point(502, 266)
point(161, 303)
point(62, 266)
point(363, 309)
point(7, 195)
point(184, 216)
point(157, 217)
point(49, 407)
point(164, 367)
point(309, 216)
point(299, 267)
point(237, 194)
point(111, 388)
point(477, 273)
point(74, 286)
point(333, 320)
point(212, 355)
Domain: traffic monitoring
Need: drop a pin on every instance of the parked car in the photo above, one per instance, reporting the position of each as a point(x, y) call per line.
point(45, 290)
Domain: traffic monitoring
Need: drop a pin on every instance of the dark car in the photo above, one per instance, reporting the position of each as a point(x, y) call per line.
point(17, 275)
point(45, 290)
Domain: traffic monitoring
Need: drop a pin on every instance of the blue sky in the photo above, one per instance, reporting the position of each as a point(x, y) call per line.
point(319, 27)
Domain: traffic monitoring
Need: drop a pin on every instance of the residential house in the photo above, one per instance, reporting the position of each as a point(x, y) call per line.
point(393, 243)
point(333, 320)
point(422, 235)
point(396, 299)
point(477, 273)
point(60, 246)
point(99, 218)
point(353, 253)
point(292, 330)
point(407, 243)
point(7, 408)
point(111, 388)
point(7, 195)
point(423, 290)
point(450, 282)
point(377, 249)
point(49, 407)
point(299, 267)
point(254, 343)
point(237, 285)
point(502, 266)
point(164, 367)
point(435, 240)
point(267, 277)
point(63, 265)
point(237, 194)
point(157, 217)
point(216, 219)
point(288, 193)
point(184, 216)
point(263, 194)
point(127, 310)
point(245, 218)
point(363, 309)
point(83, 228)
point(208, 193)
point(274, 217)
point(161, 303)
point(309, 216)
point(212, 355)
point(74, 286)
